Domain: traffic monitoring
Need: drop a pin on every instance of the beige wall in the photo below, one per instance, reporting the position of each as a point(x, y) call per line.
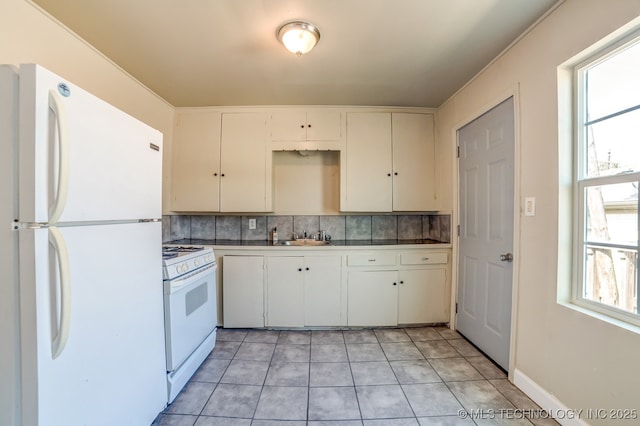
point(581, 361)
point(29, 35)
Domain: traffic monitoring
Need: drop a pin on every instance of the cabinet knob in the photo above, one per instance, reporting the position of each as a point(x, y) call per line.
point(309, 125)
point(388, 174)
point(395, 174)
point(401, 282)
point(299, 269)
point(215, 174)
point(222, 175)
point(302, 126)
point(307, 268)
point(395, 283)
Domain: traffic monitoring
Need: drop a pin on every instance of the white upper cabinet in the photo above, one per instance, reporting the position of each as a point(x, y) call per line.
point(413, 162)
point(195, 180)
point(222, 159)
point(366, 175)
point(305, 129)
point(389, 162)
point(221, 163)
point(245, 164)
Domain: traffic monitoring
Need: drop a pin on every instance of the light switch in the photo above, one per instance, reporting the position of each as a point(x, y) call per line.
point(530, 206)
point(252, 224)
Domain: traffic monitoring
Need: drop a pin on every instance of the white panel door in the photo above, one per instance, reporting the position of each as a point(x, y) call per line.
point(368, 163)
point(486, 231)
point(112, 369)
point(114, 162)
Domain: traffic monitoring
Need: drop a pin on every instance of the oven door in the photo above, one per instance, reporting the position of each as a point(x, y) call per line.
point(190, 313)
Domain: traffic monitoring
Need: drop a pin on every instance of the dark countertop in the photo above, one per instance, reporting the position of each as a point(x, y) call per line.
point(267, 243)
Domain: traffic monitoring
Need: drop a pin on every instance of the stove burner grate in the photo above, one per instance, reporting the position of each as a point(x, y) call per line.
point(181, 249)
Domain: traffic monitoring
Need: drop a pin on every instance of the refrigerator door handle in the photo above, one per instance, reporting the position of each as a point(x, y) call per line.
point(60, 340)
point(55, 104)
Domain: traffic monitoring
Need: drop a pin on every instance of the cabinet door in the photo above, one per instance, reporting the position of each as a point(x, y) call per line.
point(322, 291)
point(196, 162)
point(289, 125)
point(372, 298)
point(243, 291)
point(367, 179)
point(285, 291)
point(413, 162)
point(422, 296)
point(245, 180)
point(324, 125)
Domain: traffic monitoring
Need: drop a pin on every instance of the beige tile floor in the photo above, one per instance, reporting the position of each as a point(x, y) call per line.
point(386, 377)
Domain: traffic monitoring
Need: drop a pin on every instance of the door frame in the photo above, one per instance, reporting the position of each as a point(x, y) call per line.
point(494, 101)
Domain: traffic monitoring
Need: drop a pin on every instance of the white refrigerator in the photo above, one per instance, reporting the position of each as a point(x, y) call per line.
point(81, 302)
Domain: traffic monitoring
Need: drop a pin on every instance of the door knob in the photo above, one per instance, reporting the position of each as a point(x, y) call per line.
point(507, 257)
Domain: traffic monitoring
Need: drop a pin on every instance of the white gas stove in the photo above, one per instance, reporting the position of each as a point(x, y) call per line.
point(181, 260)
point(190, 311)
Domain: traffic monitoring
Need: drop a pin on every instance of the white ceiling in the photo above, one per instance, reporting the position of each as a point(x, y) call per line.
point(371, 52)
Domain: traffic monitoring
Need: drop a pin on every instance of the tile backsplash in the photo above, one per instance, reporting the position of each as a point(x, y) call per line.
point(339, 227)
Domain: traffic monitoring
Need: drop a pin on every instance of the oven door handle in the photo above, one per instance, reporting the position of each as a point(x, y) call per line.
point(187, 280)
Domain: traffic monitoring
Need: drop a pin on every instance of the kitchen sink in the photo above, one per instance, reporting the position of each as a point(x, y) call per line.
point(304, 242)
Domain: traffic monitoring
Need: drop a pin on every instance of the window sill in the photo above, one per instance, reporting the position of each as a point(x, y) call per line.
point(602, 317)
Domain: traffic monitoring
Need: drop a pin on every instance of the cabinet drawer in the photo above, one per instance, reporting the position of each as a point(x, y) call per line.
point(371, 260)
point(423, 258)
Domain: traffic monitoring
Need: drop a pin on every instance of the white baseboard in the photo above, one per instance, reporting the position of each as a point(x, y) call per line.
point(560, 412)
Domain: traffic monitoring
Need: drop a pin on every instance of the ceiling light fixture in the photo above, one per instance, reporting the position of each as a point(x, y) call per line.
point(298, 37)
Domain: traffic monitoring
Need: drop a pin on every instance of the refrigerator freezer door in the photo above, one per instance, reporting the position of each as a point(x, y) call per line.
point(111, 369)
point(111, 162)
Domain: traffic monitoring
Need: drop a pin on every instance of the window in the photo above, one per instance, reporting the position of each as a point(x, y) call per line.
point(606, 182)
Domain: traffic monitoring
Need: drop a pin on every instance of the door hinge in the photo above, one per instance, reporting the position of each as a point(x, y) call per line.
point(456, 307)
point(458, 230)
point(458, 151)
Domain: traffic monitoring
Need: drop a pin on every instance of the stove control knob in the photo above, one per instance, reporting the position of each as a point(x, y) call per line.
point(196, 262)
point(185, 267)
point(178, 268)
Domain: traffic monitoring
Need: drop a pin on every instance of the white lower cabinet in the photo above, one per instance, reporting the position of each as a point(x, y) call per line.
point(303, 291)
point(285, 291)
point(383, 293)
point(323, 291)
point(350, 288)
point(243, 291)
point(372, 298)
point(422, 296)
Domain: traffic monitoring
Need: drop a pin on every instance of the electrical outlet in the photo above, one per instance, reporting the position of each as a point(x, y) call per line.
point(252, 224)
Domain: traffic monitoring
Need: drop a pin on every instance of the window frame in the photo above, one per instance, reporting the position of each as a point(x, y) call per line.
point(582, 182)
